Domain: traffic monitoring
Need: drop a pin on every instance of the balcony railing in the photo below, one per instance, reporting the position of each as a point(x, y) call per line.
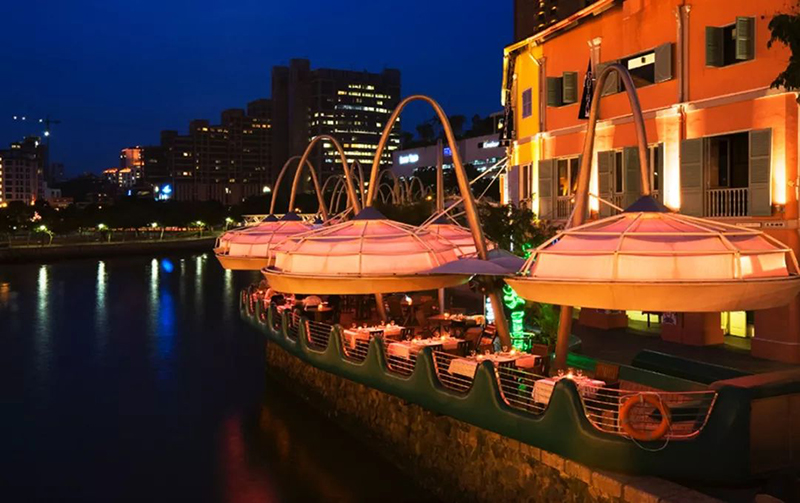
point(726, 202)
point(564, 205)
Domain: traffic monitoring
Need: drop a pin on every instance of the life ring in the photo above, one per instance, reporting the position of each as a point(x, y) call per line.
point(644, 435)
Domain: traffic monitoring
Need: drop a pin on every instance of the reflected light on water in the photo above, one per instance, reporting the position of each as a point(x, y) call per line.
point(198, 281)
point(228, 296)
point(42, 327)
point(100, 306)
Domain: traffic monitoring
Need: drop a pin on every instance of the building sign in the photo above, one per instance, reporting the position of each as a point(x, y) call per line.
point(447, 152)
point(408, 158)
point(490, 144)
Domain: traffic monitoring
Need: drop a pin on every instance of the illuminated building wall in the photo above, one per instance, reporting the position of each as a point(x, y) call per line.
point(482, 152)
point(132, 158)
point(351, 106)
point(21, 171)
point(225, 162)
point(721, 142)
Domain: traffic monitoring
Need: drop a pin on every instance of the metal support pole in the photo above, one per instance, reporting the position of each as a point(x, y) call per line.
point(470, 208)
point(440, 202)
point(584, 175)
point(320, 195)
point(349, 179)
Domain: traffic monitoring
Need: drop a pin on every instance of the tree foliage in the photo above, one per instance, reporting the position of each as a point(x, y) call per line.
point(514, 228)
point(785, 29)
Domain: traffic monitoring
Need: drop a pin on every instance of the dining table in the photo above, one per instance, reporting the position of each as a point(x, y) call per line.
point(468, 365)
point(543, 388)
point(409, 349)
point(355, 334)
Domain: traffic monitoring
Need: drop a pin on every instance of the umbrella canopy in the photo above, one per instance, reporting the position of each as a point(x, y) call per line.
point(473, 266)
point(252, 248)
point(648, 258)
point(368, 254)
point(460, 236)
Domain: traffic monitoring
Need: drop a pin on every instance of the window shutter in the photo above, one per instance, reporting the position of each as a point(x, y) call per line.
point(714, 47)
point(554, 91)
point(605, 163)
point(692, 177)
point(546, 177)
point(745, 46)
point(633, 176)
point(663, 70)
point(760, 182)
point(569, 92)
point(612, 82)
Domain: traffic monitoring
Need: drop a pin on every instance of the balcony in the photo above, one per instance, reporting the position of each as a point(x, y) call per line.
point(726, 202)
point(564, 205)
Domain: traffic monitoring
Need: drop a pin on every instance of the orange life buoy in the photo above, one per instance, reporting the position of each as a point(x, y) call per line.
point(644, 435)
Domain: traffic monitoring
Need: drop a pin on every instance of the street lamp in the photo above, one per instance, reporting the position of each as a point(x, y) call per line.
point(266, 189)
point(228, 222)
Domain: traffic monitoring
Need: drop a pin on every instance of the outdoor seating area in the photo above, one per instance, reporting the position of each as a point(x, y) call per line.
point(459, 343)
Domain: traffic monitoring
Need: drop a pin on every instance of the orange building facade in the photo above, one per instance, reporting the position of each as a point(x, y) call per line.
point(722, 143)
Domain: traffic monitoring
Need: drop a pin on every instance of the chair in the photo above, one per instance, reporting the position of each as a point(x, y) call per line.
point(487, 339)
point(543, 351)
point(406, 333)
point(608, 373)
point(472, 336)
point(376, 333)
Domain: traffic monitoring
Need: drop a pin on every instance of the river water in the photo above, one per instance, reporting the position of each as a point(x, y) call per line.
point(134, 379)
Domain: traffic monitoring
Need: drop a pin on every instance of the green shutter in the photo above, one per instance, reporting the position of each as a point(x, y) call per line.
point(633, 176)
point(760, 177)
point(663, 70)
point(745, 38)
point(605, 163)
point(692, 177)
point(569, 88)
point(715, 55)
point(612, 82)
point(554, 92)
point(546, 179)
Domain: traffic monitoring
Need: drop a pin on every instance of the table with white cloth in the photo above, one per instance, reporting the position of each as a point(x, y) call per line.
point(352, 335)
point(467, 366)
point(407, 349)
point(543, 388)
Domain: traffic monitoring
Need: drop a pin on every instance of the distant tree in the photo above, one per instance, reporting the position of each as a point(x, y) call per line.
point(426, 132)
point(457, 122)
point(406, 139)
point(785, 29)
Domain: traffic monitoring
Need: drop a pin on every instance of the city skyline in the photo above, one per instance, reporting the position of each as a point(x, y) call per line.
point(114, 88)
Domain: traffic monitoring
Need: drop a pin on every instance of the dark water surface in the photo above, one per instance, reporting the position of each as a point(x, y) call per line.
point(133, 379)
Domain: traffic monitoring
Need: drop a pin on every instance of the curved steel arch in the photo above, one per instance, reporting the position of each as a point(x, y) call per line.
point(320, 196)
point(463, 186)
point(342, 157)
point(584, 176)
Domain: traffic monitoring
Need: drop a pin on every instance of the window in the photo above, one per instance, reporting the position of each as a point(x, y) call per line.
point(727, 45)
point(562, 90)
point(729, 159)
point(619, 173)
point(567, 176)
point(526, 181)
point(656, 158)
point(527, 103)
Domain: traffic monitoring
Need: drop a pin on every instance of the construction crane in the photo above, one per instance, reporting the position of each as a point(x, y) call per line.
point(47, 121)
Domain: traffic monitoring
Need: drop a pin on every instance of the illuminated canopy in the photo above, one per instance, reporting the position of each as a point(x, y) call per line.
point(650, 259)
point(252, 248)
point(368, 254)
point(457, 235)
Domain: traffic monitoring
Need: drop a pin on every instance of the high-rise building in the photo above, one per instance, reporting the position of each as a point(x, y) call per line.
point(533, 16)
point(21, 170)
point(226, 162)
point(132, 158)
point(349, 105)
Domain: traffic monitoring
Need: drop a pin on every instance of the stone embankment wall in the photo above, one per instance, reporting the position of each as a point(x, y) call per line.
point(101, 250)
point(458, 461)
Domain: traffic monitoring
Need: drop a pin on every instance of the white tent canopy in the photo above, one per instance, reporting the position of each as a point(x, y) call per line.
point(660, 261)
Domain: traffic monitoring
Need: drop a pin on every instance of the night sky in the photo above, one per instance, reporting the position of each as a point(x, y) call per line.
point(117, 73)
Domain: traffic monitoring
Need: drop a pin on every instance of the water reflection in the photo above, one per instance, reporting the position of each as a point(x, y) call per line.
point(230, 295)
point(43, 326)
point(198, 281)
point(101, 308)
